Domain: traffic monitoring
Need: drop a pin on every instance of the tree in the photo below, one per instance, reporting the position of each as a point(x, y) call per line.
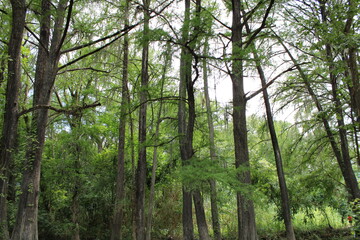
point(9, 128)
point(118, 215)
point(46, 70)
point(140, 180)
point(246, 213)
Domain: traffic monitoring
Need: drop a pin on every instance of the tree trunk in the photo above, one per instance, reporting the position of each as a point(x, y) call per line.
point(46, 68)
point(185, 129)
point(285, 203)
point(213, 192)
point(141, 168)
point(351, 181)
point(10, 123)
point(347, 173)
point(118, 214)
point(245, 207)
point(200, 216)
point(156, 136)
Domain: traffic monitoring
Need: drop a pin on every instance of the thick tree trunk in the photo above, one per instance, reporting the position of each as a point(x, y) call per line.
point(46, 68)
point(245, 207)
point(118, 213)
point(141, 168)
point(10, 123)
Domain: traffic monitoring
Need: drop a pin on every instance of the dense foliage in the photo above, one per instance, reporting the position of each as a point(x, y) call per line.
point(112, 91)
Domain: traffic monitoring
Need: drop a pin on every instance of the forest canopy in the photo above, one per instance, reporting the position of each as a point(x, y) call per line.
point(169, 119)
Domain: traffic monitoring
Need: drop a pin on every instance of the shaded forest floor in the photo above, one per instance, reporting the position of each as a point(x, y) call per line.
point(326, 234)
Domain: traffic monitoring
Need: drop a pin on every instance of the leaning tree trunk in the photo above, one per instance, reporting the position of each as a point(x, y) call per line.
point(26, 227)
point(285, 203)
point(9, 130)
point(118, 212)
point(245, 206)
point(140, 180)
point(347, 172)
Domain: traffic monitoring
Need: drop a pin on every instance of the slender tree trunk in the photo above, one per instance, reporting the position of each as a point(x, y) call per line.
point(213, 192)
point(352, 62)
point(157, 132)
point(352, 183)
point(141, 168)
point(347, 173)
point(10, 123)
point(285, 203)
point(75, 205)
point(245, 206)
point(46, 68)
point(185, 129)
point(118, 214)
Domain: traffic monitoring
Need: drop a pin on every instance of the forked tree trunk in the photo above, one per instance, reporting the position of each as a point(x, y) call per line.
point(118, 212)
point(26, 227)
point(10, 123)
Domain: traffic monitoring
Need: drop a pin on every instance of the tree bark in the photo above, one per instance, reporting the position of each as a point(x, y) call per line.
point(118, 213)
point(245, 207)
point(285, 203)
point(141, 167)
point(26, 227)
point(10, 123)
point(185, 129)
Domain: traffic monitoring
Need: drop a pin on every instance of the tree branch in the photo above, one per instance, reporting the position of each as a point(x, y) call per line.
point(273, 80)
point(71, 111)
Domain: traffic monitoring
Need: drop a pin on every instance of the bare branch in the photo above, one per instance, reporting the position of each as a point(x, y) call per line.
point(273, 80)
point(80, 69)
point(71, 111)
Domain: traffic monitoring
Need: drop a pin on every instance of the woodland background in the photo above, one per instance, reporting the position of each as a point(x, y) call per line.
point(112, 127)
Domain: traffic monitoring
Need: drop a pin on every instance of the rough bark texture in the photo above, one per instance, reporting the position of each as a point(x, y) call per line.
point(245, 207)
point(118, 213)
point(46, 68)
point(10, 123)
point(141, 167)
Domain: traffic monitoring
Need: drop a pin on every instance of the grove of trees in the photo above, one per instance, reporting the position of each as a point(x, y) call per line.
point(114, 123)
